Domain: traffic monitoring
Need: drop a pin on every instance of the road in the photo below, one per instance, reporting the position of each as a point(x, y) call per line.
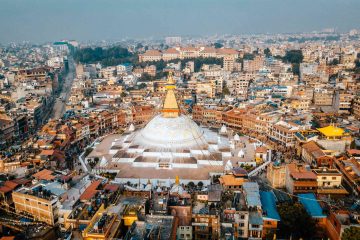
point(60, 102)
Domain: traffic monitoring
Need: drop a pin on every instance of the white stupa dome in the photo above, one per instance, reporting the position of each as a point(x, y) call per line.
point(131, 128)
point(103, 162)
point(228, 166)
point(237, 137)
point(223, 129)
point(171, 133)
point(177, 188)
point(241, 153)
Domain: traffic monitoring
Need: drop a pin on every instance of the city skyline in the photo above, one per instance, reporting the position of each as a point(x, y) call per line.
point(41, 21)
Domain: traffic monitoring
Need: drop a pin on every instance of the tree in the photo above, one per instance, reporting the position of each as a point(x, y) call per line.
point(225, 91)
point(142, 86)
point(357, 63)
point(335, 61)
point(296, 68)
point(295, 221)
point(106, 56)
point(351, 233)
point(249, 56)
point(218, 45)
point(191, 185)
point(293, 56)
point(267, 52)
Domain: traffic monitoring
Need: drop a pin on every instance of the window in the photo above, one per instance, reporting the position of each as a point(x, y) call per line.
point(333, 178)
point(242, 224)
point(323, 178)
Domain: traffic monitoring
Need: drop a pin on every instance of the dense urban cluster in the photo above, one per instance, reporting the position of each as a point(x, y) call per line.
point(223, 137)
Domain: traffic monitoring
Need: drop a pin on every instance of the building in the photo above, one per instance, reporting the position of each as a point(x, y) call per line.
point(323, 97)
point(162, 228)
point(103, 225)
point(329, 181)
point(169, 143)
point(338, 221)
point(350, 168)
point(172, 40)
point(312, 153)
point(206, 226)
point(276, 175)
point(151, 70)
point(229, 63)
point(270, 214)
point(356, 107)
point(38, 202)
point(232, 182)
point(299, 179)
point(313, 208)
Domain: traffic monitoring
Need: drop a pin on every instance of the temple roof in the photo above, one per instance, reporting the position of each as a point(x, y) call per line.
point(331, 131)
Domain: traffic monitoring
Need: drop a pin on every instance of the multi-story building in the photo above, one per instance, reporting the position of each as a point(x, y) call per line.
point(323, 97)
point(151, 70)
point(342, 102)
point(38, 202)
point(350, 168)
point(299, 179)
point(329, 181)
point(356, 107)
point(228, 63)
point(253, 65)
point(206, 226)
point(311, 153)
point(276, 175)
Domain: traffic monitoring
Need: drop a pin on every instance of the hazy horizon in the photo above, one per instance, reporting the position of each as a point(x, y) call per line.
point(50, 20)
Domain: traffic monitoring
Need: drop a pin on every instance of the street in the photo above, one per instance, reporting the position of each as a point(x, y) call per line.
point(60, 102)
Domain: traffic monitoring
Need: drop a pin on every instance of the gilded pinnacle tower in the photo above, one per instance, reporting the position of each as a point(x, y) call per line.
point(170, 108)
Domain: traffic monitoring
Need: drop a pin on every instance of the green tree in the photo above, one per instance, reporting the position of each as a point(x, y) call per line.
point(293, 56)
point(218, 45)
point(225, 91)
point(335, 61)
point(267, 52)
point(295, 222)
point(296, 68)
point(191, 185)
point(351, 233)
point(142, 86)
point(106, 56)
point(248, 56)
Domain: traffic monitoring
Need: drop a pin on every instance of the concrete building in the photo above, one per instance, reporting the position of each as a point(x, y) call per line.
point(276, 175)
point(38, 202)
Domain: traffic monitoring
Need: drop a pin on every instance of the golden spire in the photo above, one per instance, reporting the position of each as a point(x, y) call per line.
point(170, 107)
point(170, 79)
point(177, 180)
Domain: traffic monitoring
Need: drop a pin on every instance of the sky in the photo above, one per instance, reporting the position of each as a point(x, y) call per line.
point(82, 20)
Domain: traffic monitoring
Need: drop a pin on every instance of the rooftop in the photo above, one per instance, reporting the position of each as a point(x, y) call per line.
point(269, 205)
point(311, 205)
point(331, 131)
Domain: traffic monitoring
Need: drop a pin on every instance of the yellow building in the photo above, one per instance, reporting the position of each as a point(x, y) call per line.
point(332, 132)
point(42, 205)
point(129, 218)
point(102, 226)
